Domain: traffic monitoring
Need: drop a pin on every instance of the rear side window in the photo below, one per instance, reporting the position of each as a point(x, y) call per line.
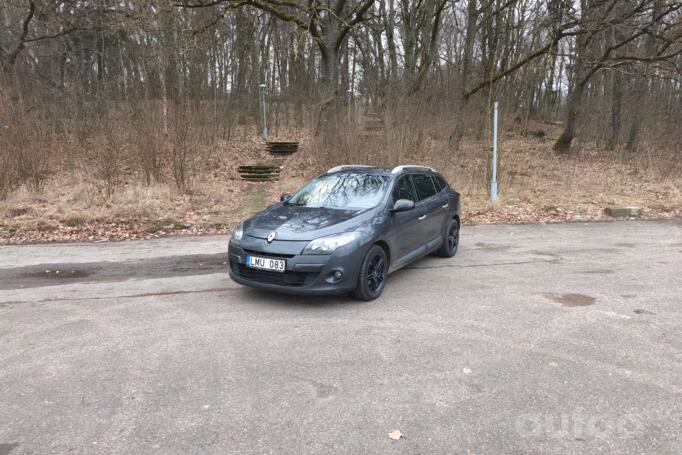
point(403, 189)
point(424, 186)
point(440, 182)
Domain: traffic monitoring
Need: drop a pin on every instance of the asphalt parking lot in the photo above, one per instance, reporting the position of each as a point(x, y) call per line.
point(562, 338)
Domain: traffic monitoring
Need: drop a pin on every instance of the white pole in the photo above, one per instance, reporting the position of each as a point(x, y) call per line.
point(265, 117)
point(493, 180)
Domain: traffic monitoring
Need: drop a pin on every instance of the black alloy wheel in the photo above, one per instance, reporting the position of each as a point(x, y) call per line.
point(372, 278)
point(450, 240)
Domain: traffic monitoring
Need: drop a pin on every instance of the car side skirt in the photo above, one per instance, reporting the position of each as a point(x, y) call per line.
point(418, 253)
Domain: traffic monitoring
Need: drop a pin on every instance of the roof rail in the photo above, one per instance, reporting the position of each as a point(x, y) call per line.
point(346, 166)
point(411, 166)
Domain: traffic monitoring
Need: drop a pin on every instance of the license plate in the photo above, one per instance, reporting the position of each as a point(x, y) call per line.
point(275, 265)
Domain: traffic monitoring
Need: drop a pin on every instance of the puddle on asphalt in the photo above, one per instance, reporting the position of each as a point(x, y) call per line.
point(598, 271)
point(571, 300)
point(492, 247)
point(5, 448)
point(643, 311)
point(545, 253)
point(156, 267)
point(58, 274)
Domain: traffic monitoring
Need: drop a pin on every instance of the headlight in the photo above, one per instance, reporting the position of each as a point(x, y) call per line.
point(238, 232)
point(326, 245)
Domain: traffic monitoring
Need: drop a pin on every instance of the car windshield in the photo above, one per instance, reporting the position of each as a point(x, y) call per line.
point(343, 190)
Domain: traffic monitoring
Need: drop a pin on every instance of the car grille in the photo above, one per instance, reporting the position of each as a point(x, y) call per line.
point(269, 255)
point(287, 278)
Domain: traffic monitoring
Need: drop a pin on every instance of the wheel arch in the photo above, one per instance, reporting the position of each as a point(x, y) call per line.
point(387, 249)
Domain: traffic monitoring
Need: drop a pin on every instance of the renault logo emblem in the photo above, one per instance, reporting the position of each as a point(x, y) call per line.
point(271, 237)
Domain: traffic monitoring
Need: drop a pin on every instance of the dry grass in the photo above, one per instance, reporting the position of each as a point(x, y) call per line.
point(538, 185)
point(73, 205)
point(535, 185)
point(74, 211)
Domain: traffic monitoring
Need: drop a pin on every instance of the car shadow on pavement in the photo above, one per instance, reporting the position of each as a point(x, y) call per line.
point(275, 299)
point(5, 449)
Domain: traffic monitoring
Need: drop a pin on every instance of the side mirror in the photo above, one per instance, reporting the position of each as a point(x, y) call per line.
point(402, 205)
point(285, 197)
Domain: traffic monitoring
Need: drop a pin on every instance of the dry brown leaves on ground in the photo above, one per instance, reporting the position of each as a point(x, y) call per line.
point(536, 185)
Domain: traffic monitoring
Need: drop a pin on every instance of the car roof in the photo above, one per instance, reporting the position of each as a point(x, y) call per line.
point(359, 169)
point(363, 169)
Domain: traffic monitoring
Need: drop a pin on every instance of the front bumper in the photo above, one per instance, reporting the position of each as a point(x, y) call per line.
point(304, 274)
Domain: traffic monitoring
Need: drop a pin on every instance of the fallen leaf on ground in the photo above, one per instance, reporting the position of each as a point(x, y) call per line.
point(395, 435)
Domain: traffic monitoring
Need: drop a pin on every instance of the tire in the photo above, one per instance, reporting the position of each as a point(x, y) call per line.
point(450, 240)
point(372, 276)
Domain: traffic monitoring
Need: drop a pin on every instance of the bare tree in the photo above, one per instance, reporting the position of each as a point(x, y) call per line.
point(327, 23)
point(592, 58)
point(419, 69)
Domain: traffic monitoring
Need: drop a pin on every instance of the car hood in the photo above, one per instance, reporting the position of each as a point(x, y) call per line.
point(290, 222)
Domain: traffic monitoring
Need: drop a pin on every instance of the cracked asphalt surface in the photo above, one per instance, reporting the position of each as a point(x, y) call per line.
point(558, 338)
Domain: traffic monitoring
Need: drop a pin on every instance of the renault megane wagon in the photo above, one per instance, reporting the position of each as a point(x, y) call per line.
point(346, 230)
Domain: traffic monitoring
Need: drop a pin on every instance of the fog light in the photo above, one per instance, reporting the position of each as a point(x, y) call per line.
point(334, 276)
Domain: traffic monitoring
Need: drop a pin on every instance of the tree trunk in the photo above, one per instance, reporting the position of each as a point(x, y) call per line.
point(329, 95)
point(390, 41)
point(575, 96)
point(463, 104)
point(616, 95)
point(3, 35)
point(633, 135)
point(329, 59)
point(641, 88)
point(616, 109)
point(573, 106)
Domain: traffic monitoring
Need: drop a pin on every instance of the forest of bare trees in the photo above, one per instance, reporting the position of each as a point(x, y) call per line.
point(140, 85)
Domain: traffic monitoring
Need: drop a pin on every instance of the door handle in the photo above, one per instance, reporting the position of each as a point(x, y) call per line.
point(445, 206)
point(421, 217)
